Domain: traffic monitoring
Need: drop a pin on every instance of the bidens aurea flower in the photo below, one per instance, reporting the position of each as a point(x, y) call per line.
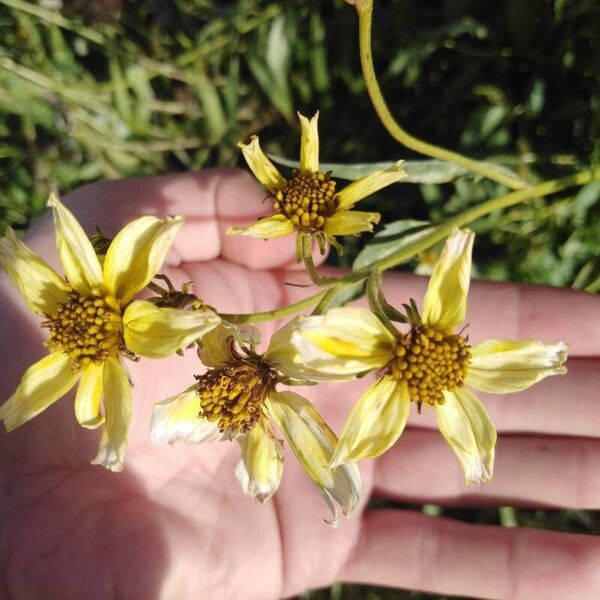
point(428, 365)
point(92, 319)
point(237, 399)
point(309, 201)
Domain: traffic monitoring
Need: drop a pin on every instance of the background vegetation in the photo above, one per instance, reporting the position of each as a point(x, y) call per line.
point(118, 88)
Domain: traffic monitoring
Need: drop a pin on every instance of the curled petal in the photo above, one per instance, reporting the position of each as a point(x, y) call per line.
point(38, 283)
point(89, 397)
point(445, 302)
point(505, 366)
point(309, 143)
point(465, 424)
point(273, 226)
point(216, 345)
point(264, 170)
point(351, 222)
point(375, 423)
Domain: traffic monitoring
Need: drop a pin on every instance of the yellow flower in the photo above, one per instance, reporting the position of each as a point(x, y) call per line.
point(236, 398)
point(92, 319)
point(308, 202)
point(427, 365)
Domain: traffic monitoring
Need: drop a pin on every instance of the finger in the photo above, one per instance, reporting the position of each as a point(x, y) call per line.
point(410, 550)
point(529, 471)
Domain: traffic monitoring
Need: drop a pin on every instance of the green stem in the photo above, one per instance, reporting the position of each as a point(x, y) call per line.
point(364, 9)
point(306, 249)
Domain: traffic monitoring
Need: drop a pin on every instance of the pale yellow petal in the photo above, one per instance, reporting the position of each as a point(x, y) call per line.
point(88, 407)
point(176, 419)
point(506, 366)
point(158, 332)
point(216, 345)
point(445, 302)
point(313, 443)
point(77, 255)
point(137, 253)
point(117, 414)
point(351, 222)
point(264, 170)
point(261, 464)
point(375, 423)
point(365, 186)
point(41, 385)
point(38, 283)
point(309, 143)
point(273, 226)
point(465, 424)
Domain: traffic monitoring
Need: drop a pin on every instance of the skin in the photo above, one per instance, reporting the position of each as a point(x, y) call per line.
point(174, 523)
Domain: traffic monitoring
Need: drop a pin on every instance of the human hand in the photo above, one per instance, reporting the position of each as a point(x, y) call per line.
point(174, 523)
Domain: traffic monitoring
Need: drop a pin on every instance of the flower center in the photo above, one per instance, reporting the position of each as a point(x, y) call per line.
point(233, 396)
point(307, 200)
point(86, 328)
point(430, 361)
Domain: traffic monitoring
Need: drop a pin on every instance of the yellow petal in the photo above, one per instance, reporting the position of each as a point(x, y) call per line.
point(215, 346)
point(261, 465)
point(176, 419)
point(313, 443)
point(89, 396)
point(158, 332)
point(264, 170)
point(351, 222)
point(38, 283)
point(137, 253)
point(465, 424)
point(365, 186)
point(375, 423)
point(77, 255)
point(117, 412)
point(41, 385)
point(343, 342)
point(273, 226)
point(309, 143)
point(445, 302)
point(505, 366)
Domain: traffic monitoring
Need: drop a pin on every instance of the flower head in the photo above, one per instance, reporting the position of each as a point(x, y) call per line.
point(236, 398)
point(428, 365)
point(308, 201)
point(92, 320)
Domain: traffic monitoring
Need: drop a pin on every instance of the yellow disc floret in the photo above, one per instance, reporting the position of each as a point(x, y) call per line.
point(86, 328)
point(307, 199)
point(430, 361)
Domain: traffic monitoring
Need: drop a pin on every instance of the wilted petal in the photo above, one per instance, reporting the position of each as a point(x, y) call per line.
point(505, 366)
point(365, 186)
point(309, 143)
point(351, 222)
point(39, 284)
point(117, 412)
point(445, 302)
point(465, 424)
point(273, 226)
point(264, 170)
point(41, 385)
point(313, 443)
point(375, 423)
point(137, 253)
point(261, 465)
point(216, 345)
point(89, 396)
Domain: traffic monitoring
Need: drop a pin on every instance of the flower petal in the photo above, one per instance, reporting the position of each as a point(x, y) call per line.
point(343, 342)
point(351, 222)
point(309, 143)
point(465, 424)
point(215, 346)
point(313, 443)
point(38, 283)
point(77, 255)
point(375, 423)
point(176, 419)
point(505, 366)
point(365, 186)
point(41, 385)
point(264, 170)
point(445, 302)
point(137, 253)
point(89, 396)
point(273, 226)
point(117, 411)
point(261, 465)
point(158, 332)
